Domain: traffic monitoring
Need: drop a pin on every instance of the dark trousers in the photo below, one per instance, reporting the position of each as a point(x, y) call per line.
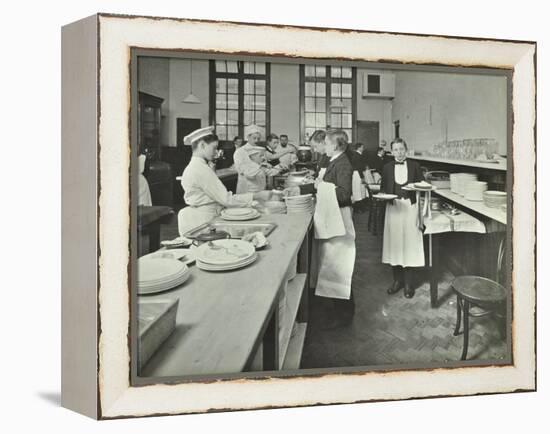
point(403, 274)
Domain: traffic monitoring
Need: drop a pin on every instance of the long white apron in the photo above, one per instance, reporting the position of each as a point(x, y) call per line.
point(403, 241)
point(192, 216)
point(337, 261)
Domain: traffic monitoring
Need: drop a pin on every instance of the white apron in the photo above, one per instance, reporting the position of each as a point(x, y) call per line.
point(336, 261)
point(403, 241)
point(190, 217)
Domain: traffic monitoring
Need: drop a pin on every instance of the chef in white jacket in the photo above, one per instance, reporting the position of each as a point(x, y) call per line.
point(205, 194)
point(243, 164)
point(257, 172)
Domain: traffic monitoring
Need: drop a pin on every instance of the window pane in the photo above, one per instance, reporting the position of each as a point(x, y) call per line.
point(310, 88)
point(249, 67)
point(346, 121)
point(260, 87)
point(233, 117)
point(221, 117)
point(221, 101)
point(232, 66)
point(232, 85)
point(310, 119)
point(320, 71)
point(346, 90)
point(233, 101)
point(248, 102)
point(347, 105)
point(346, 72)
point(310, 70)
point(249, 86)
point(221, 85)
point(335, 105)
point(336, 90)
point(220, 66)
point(335, 121)
point(320, 89)
point(260, 103)
point(232, 131)
point(321, 120)
point(260, 118)
point(260, 68)
point(320, 105)
point(248, 117)
point(310, 104)
point(336, 71)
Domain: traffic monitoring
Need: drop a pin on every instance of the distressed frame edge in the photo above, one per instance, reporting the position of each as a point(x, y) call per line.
point(530, 384)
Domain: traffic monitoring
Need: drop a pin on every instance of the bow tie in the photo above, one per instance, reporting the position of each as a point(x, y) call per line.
point(400, 162)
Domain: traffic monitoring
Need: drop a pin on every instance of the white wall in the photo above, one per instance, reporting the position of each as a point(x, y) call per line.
point(285, 101)
point(431, 107)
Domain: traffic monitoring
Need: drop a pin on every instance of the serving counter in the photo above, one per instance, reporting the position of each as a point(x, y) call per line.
point(226, 319)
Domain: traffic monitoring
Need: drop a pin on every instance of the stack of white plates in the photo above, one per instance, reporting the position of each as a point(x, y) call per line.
point(460, 180)
point(224, 255)
point(160, 274)
point(494, 199)
point(238, 214)
point(275, 207)
point(474, 190)
point(299, 204)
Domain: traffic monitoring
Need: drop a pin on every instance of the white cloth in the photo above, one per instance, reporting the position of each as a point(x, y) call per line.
point(144, 197)
point(403, 242)
point(357, 189)
point(337, 261)
point(206, 193)
point(327, 219)
point(445, 222)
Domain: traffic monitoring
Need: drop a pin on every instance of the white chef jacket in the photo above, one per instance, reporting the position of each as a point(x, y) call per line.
point(203, 187)
point(250, 173)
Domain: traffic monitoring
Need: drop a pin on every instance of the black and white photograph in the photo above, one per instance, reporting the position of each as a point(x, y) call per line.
point(298, 217)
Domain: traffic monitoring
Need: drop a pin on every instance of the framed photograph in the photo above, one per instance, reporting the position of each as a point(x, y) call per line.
point(262, 216)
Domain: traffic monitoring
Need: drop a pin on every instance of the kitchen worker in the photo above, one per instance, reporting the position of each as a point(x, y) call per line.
point(244, 166)
point(403, 245)
point(256, 179)
point(204, 193)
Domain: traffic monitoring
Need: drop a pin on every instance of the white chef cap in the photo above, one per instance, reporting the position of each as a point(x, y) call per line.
point(251, 129)
point(197, 134)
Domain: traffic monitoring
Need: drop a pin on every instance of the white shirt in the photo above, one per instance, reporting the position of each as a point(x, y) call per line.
point(243, 164)
point(401, 173)
point(203, 187)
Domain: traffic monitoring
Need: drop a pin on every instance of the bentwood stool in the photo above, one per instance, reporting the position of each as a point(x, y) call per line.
point(474, 291)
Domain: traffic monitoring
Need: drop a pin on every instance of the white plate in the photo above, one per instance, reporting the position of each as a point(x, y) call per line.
point(251, 216)
point(299, 197)
point(238, 212)
point(384, 196)
point(210, 267)
point(224, 252)
point(176, 242)
point(161, 287)
point(158, 269)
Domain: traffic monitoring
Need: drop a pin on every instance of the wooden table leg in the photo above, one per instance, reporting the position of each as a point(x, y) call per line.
point(271, 343)
point(154, 237)
point(433, 247)
point(466, 320)
point(458, 315)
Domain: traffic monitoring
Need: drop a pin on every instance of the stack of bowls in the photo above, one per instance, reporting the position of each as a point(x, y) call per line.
point(494, 199)
point(474, 190)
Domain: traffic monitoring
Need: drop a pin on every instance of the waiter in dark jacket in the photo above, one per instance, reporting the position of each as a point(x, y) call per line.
point(403, 246)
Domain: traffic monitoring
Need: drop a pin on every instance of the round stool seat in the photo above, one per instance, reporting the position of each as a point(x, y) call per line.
point(479, 289)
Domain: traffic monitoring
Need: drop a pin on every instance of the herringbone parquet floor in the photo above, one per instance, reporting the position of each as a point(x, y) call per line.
point(392, 329)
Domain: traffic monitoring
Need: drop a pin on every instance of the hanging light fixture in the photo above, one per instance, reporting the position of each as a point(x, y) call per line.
point(191, 98)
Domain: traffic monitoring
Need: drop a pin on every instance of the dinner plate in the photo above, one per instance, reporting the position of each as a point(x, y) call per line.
point(384, 196)
point(165, 286)
point(238, 212)
point(152, 270)
point(211, 267)
point(176, 243)
point(224, 252)
point(187, 256)
point(250, 216)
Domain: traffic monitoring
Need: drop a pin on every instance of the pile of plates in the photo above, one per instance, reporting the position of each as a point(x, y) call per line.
point(494, 199)
point(275, 207)
point(460, 180)
point(239, 214)
point(160, 274)
point(299, 204)
point(474, 190)
point(224, 255)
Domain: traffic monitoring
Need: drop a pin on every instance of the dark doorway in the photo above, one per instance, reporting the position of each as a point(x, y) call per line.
point(368, 133)
point(186, 126)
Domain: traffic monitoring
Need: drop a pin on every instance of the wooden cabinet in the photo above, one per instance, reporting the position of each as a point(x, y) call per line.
point(149, 125)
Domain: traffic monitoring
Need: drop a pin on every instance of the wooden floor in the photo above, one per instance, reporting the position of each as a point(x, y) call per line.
point(388, 329)
point(391, 329)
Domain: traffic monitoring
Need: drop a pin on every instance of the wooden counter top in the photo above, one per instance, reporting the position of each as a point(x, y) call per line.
point(479, 207)
point(222, 315)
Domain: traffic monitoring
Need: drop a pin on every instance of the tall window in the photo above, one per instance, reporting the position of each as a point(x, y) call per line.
point(239, 96)
point(328, 99)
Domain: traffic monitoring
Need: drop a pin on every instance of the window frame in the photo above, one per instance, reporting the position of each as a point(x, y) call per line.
point(328, 80)
point(241, 76)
